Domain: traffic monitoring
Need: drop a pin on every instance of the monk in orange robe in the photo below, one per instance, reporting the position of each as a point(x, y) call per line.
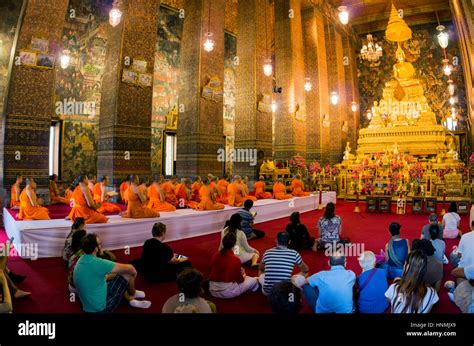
point(195, 189)
point(245, 186)
point(216, 189)
point(92, 180)
point(137, 208)
point(237, 195)
point(101, 196)
point(157, 199)
point(279, 191)
point(208, 200)
point(168, 188)
point(297, 187)
point(123, 189)
point(54, 194)
point(259, 188)
point(183, 193)
point(222, 185)
point(83, 203)
point(30, 205)
point(69, 191)
point(15, 195)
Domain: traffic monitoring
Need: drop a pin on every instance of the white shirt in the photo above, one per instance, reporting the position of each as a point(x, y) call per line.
point(397, 301)
point(451, 221)
point(466, 248)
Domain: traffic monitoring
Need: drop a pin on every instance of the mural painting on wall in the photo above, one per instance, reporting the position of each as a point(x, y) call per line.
point(80, 144)
point(165, 81)
point(9, 15)
point(230, 70)
point(424, 52)
point(79, 85)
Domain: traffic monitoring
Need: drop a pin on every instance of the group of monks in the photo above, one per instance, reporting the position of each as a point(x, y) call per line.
point(89, 199)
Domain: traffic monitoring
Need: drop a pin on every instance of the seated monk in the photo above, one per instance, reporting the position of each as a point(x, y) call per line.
point(297, 187)
point(237, 195)
point(216, 189)
point(54, 192)
point(15, 196)
point(30, 205)
point(168, 188)
point(259, 188)
point(223, 183)
point(279, 191)
point(245, 185)
point(101, 197)
point(195, 189)
point(123, 189)
point(137, 208)
point(183, 193)
point(83, 203)
point(69, 191)
point(208, 200)
point(92, 180)
point(156, 195)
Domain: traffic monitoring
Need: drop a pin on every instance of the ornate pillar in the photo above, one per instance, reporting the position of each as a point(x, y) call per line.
point(200, 131)
point(29, 105)
point(352, 90)
point(253, 128)
point(125, 120)
point(290, 117)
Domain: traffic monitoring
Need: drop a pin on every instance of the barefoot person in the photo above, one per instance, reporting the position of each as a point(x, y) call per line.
point(297, 187)
point(54, 191)
point(208, 200)
point(157, 199)
point(168, 188)
point(15, 193)
point(101, 196)
point(30, 204)
point(123, 190)
point(183, 193)
point(83, 203)
point(136, 208)
point(260, 189)
point(195, 189)
point(279, 191)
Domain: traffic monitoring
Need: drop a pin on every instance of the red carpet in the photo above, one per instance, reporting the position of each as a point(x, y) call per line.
point(47, 277)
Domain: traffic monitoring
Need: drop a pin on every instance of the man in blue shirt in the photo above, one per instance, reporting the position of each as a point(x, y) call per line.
point(102, 284)
point(330, 291)
point(248, 220)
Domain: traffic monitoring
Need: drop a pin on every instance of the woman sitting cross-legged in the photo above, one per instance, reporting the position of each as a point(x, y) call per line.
point(299, 235)
point(242, 249)
point(410, 294)
point(158, 262)
point(330, 228)
point(434, 268)
point(396, 251)
point(189, 297)
point(227, 277)
point(451, 221)
point(8, 290)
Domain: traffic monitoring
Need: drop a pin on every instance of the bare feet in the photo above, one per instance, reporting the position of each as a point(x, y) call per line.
point(21, 294)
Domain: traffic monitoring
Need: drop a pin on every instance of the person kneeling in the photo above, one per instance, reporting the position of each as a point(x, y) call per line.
point(102, 284)
point(158, 262)
point(227, 277)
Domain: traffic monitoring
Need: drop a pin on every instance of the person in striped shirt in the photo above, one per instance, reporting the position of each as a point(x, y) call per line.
point(278, 263)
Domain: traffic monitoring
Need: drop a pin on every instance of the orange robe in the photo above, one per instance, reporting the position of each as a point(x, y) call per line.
point(236, 198)
point(68, 195)
point(105, 207)
point(217, 192)
point(136, 209)
point(123, 192)
point(182, 194)
point(81, 209)
point(247, 196)
point(279, 192)
point(296, 188)
point(195, 192)
point(54, 195)
point(30, 212)
point(155, 202)
point(206, 201)
point(260, 192)
point(15, 197)
point(170, 195)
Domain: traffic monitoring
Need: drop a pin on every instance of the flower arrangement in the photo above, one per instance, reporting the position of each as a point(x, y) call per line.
point(416, 171)
point(392, 186)
point(368, 187)
point(396, 166)
point(297, 164)
point(279, 165)
point(440, 173)
point(471, 159)
point(315, 168)
point(460, 168)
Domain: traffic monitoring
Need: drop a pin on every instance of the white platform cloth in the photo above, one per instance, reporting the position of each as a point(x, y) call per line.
point(119, 233)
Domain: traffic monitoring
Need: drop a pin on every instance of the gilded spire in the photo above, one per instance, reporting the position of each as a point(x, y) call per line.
point(397, 30)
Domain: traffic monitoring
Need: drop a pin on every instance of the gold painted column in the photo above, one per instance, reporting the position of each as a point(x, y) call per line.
point(125, 120)
point(29, 104)
point(290, 117)
point(200, 129)
point(253, 128)
point(352, 91)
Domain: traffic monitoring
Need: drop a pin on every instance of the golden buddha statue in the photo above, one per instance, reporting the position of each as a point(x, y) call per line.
point(376, 121)
point(347, 153)
point(267, 167)
point(402, 70)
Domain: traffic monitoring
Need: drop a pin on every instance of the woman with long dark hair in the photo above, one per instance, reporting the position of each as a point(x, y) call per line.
point(299, 235)
point(330, 227)
point(410, 293)
point(451, 221)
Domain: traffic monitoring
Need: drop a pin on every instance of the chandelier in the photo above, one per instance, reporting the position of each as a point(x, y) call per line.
point(371, 51)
